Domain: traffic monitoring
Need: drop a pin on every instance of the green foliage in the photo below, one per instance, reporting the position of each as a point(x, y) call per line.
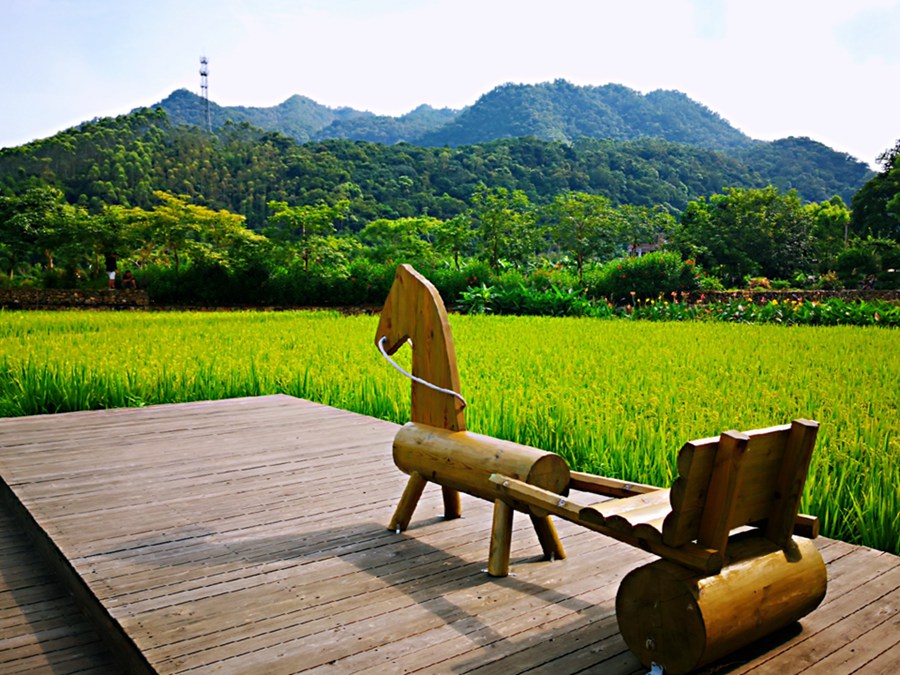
point(626, 280)
point(830, 230)
point(477, 299)
point(505, 226)
point(876, 207)
point(830, 312)
point(400, 240)
point(867, 263)
point(812, 169)
point(587, 227)
point(748, 233)
point(243, 169)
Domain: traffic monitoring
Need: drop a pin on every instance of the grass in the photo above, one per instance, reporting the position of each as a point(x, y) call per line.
point(615, 398)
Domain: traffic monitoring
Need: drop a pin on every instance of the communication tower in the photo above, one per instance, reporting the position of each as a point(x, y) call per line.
point(204, 89)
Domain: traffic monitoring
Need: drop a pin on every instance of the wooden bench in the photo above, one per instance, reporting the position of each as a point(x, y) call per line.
point(737, 560)
point(732, 570)
point(726, 482)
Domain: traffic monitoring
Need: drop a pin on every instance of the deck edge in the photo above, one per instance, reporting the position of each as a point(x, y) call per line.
point(122, 648)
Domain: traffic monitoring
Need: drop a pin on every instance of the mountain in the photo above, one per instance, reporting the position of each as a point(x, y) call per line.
point(298, 117)
point(304, 120)
point(389, 130)
point(816, 171)
point(553, 111)
point(561, 111)
point(661, 148)
point(121, 161)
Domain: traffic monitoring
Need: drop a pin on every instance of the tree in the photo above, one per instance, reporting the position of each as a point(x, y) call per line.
point(34, 225)
point(830, 231)
point(747, 233)
point(400, 240)
point(182, 230)
point(305, 224)
point(506, 225)
point(584, 226)
point(454, 236)
point(876, 207)
point(643, 225)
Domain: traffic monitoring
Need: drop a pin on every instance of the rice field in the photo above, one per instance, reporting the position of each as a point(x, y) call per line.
point(615, 398)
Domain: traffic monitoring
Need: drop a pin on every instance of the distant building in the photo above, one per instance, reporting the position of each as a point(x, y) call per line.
point(639, 250)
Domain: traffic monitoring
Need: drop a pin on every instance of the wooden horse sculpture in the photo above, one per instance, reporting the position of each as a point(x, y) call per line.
point(435, 446)
point(733, 568)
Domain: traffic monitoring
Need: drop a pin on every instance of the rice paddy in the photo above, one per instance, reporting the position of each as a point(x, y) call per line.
point(615, 398)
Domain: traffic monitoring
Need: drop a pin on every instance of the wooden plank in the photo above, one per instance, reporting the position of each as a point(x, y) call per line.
point(886, 662)
point(721, 502)
point(626, 513)
point(501, 628)
point(688, 494)
point(845, 614)
point(791, 480)
point(879, 639)
point(609, 487)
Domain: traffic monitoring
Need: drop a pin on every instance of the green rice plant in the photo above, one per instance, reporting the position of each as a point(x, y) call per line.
point(616, 398)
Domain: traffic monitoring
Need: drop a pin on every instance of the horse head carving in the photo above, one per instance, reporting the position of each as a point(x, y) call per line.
point(415, 312)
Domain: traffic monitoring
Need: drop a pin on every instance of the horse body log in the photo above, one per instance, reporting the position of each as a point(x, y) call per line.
point(465, 461)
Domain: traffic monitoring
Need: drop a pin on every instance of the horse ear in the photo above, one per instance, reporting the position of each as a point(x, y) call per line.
point(390, 325)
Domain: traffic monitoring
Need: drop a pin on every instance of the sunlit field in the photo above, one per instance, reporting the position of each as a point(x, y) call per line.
point(613, 397)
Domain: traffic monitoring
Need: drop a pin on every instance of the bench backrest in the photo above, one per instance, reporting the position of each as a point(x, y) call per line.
point(736, 479)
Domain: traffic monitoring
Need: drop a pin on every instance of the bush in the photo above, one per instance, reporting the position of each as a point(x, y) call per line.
point(854, 264)
point(450, 283)
point(650, 276)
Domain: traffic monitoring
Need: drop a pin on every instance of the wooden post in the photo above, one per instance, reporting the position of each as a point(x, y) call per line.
point(501, 539)
point(683, 620)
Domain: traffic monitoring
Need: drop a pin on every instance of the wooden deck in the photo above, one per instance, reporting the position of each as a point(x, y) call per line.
point(249, 536)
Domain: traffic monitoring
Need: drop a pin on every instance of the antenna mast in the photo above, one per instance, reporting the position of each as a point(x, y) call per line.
point(204, 89)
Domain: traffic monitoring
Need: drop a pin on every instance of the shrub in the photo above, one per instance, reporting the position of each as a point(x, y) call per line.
point(650, 276)
point(854, 264)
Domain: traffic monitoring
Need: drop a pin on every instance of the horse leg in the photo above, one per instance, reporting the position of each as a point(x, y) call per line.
point(452, 507)
point(546, 533)
point(408, 502)
point(501, 539)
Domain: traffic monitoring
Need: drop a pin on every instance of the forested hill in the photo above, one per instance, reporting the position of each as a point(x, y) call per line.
point(557, 111)
point(241, 168)
point(303, 119)
point(561, 111)
point(553, 111)
point(298, 117)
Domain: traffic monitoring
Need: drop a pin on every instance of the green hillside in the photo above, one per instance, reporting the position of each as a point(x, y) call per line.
point(564, 112)
point(241, 168)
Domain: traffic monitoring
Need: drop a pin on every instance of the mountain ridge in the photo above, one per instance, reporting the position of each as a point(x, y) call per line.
point(554, 111)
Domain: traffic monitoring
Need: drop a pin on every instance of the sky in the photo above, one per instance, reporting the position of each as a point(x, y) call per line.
point(825, 69)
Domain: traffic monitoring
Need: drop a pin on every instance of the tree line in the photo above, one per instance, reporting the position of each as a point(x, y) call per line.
point(250, 210)
point(181, 251)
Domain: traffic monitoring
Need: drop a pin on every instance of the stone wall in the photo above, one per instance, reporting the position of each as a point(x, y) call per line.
point(51, 298)
point(763, 296)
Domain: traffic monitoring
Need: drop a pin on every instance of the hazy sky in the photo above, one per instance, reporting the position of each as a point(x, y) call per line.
point(827, 69)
